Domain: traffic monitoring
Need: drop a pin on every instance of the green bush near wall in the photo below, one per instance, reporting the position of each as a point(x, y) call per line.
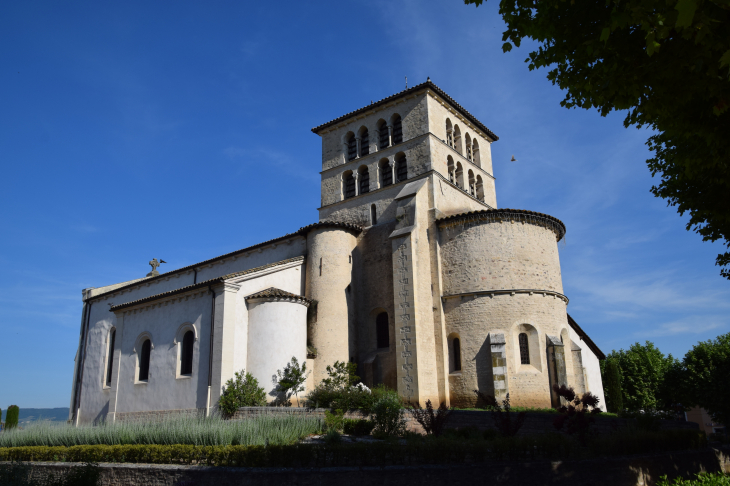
point(419, 451)
point(11, 417)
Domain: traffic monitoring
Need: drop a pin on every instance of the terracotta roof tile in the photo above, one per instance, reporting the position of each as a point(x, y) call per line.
point(278, 294)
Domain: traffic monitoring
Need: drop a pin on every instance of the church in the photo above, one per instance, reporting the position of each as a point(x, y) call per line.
point(413, 272)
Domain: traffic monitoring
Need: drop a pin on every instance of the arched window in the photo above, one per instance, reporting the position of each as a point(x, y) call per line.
point(373, 214)
point(384, 135)
point(475, 153)
point(449, 133)
point(467, 141)
point(386, 173)
point(186, 354)
point(451, 169)
point(110, 358)
point(459, 176)
point(364, 142)
point(364, 180)
point(457, 139)
point(144, 360)
point(401, 168)
point(524, 349)
point(351, 147)
point(382, 331)
point(480, 188)
point(349, 184)
point(397, 130)
point(457, 354)
point(472, 184)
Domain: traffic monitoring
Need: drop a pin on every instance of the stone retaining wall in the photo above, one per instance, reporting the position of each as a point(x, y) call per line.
point(620, 471)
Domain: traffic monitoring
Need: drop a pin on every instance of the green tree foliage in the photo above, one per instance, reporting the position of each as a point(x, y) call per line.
point(642, 370)
point(290, 381)
point(665, 61)
point(611, 376)
point(341, 375)
point(705, 375)
point(243, 391)
point(11, 417)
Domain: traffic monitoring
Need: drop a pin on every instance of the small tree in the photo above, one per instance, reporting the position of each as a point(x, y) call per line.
point(577, 416)
point(502, 414)
point(341, 375)
point(433, 422)
point(244, 391)
point(11, 417)
point(290, 381)
point(612, 379)
point(388, 416)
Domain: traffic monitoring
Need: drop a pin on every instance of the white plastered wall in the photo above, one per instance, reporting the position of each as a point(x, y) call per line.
point(591, 367)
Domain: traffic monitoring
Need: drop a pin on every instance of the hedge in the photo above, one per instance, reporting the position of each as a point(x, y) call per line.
point(414, 451)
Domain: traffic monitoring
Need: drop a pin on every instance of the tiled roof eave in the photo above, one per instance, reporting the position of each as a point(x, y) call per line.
point(558, 225)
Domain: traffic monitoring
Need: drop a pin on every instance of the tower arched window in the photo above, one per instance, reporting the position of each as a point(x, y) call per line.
point(449, 133)
point(467, 141)
point(382, 331)
point(351, 147)
point(386, 173)
point(186, 353)
point(384, 135)
point(472, 184)
point(364, 142)
point(456, 345)
point(459, 176)
point(524, 348)
point(110, 358)
point(397, 129)
point(401, 168)
point(364, 180)
point(451, 169)
point(475, 153)
point(349, 181)
point(480, 188)
point(144, 360)
point(373, 214)
point(457, 139)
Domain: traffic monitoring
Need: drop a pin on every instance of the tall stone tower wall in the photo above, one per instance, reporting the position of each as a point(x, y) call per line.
point(328, 282)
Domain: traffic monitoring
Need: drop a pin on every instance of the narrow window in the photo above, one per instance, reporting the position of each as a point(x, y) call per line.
point(364, 180)
point(381, 330)
point(387, 172)
point(397, 130)
point(450, 168)
point(472, 187)
point(110, 358)
point(364, 143)
point(401, 171)
point(449, 133)
point(524, 349)
point(480, 189)
point(349, 186)
point(384, 136)
point(186, 355)
point(467, 139)
point(475, 153)
point(144, 361)
point(320, 266)
point(457, 354)
point(351, 148)
point(457, 139)
point(373, 215)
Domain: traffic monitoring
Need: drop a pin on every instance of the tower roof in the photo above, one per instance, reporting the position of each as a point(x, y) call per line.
point(427, 85)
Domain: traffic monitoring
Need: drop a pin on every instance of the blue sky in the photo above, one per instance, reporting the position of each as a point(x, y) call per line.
point(181, 130)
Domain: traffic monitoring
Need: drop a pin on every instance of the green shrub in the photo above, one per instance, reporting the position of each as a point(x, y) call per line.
point(358, 427)
point(332, 437)
point(702, 479)
point(19, 474)
point(334, 421)
point(243, 391)
point(389, 416)
point(11, 417)
point(290, 381)
point(612, 379)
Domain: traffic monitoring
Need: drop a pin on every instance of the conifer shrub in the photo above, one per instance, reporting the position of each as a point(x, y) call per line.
point(243, 391)
point(11, 417)
point(389, 416)
point(614, 395)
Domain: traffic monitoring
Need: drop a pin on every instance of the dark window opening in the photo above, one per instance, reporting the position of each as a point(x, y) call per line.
point(384, 136)
point(457, 354)
point(401, 172)
point(186, 362)
point(144, 360)
point(364, 181)
point(351, 148)
point(349, 186)
point(387, 175)
point(110, 358)
point(364, 143)
point(382, 331)
point(397, 130)
point(524, 349)
point(373, 215)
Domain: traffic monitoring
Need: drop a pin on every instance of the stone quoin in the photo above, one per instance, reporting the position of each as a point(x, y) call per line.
point(412, 272)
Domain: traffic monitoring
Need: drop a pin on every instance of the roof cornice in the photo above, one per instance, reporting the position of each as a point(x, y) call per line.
point(490, 215)
point(428, 85)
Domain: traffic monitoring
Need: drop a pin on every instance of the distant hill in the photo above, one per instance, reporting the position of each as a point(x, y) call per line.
point(32, 414)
